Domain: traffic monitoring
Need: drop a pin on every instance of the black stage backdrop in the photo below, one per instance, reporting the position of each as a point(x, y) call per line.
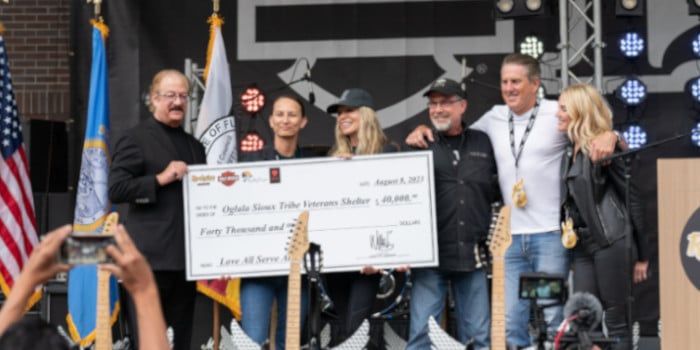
point(393, 49)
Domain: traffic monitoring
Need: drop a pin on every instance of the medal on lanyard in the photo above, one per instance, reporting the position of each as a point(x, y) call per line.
point(518, 196)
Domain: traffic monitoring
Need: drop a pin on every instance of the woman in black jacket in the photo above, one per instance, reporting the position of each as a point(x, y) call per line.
point(287, 119)
point(357, 132)
point(593, 204)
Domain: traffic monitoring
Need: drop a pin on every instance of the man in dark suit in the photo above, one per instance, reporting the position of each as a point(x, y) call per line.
point(148, 165)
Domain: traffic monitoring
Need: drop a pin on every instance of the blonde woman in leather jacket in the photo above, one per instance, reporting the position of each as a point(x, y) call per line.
point(593, 198)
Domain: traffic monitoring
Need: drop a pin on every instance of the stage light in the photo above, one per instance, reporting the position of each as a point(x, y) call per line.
point(635, 136)
point(634, 8)
point(694, 7)
point(696, 46)
point(692, 87)
point(533, 46)
point(518, 8)
point(533, 5)
point(632, 92)
point(252, 142)
point(629, 4)
point(695, 135)
point(504, 6)
point(631, 44)
point(541, 93)
point(252, 99)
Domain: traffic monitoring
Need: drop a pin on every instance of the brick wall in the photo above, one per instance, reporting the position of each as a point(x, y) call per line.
point(37, 38)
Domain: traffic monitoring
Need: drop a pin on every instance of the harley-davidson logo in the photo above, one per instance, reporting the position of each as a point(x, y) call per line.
point(228, 178)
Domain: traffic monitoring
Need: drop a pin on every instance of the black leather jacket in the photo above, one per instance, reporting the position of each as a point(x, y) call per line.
point(598, 193)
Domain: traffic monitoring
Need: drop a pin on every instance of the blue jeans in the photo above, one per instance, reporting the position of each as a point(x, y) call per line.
point(539, 252)
point(471, 302)
point(257, 295)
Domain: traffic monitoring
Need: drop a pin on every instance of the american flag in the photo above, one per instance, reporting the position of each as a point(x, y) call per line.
point(17, 222)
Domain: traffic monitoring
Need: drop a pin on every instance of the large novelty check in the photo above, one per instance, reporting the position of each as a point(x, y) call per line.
point(369, 210)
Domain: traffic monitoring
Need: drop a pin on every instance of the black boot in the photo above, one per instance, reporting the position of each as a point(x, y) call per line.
point(616, 322)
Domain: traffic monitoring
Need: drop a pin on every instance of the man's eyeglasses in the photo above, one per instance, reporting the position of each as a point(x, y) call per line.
point(443, 104)
point(171, 96)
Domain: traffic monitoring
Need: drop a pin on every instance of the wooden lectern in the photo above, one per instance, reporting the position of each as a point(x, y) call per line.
point(679, 199)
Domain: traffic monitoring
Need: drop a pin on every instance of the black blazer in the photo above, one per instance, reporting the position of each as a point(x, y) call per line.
point(155, 218)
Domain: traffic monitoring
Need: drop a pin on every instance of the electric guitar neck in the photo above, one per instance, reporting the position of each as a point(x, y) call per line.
point(103, 327)
point(500, 241)
point(297, 248)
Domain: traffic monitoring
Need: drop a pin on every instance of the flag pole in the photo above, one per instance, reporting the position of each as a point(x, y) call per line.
point(216, 315)
point(214, 109)
point(216, 321)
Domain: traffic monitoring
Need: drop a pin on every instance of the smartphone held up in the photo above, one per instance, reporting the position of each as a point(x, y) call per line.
point(86, 249)
point(82, 248)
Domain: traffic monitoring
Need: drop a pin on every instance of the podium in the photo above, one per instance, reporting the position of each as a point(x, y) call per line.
point(679, 252)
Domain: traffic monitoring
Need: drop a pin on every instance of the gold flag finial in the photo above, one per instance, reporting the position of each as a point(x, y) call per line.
point(216, 5)
point(98, 7)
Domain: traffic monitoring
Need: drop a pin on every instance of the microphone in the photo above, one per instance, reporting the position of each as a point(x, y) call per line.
point(586, 311)
point(646, 147)
point(312, 96)
point(481, 83)
point(463, 80)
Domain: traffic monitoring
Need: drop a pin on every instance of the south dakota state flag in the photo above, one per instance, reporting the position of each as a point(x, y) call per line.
point(92, 204)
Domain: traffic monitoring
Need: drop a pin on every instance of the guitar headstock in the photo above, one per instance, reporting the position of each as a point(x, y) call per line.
point(313, 260)
point(299, 243)
point(501, 238)
point(110, 223)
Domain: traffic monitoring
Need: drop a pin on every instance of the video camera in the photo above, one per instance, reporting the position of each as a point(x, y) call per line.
point(546, 290)
point(543, 290)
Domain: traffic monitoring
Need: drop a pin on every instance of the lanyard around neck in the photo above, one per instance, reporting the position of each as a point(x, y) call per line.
point(297, 154)
point(511, 129)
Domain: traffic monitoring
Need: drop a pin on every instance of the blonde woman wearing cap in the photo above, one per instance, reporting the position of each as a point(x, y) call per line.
point(357, 132)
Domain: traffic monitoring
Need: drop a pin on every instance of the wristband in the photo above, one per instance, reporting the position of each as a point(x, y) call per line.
point(617, 134)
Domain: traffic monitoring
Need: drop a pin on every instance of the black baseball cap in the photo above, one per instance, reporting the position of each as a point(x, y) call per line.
point(352, 98)
point(446, 87)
